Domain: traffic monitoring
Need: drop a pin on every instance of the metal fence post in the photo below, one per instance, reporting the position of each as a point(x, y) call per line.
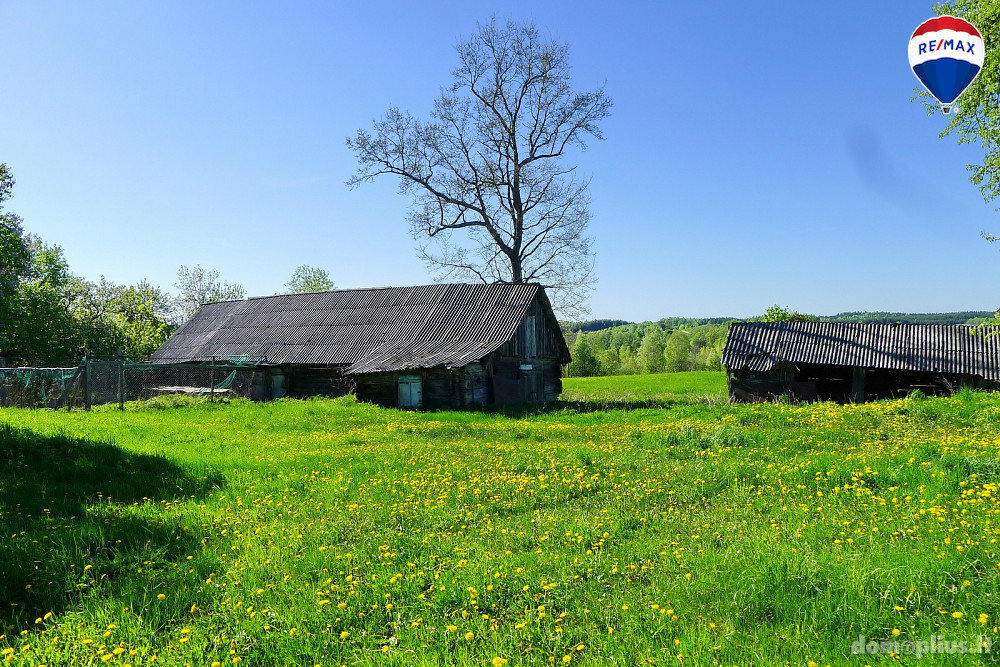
point(86, 383)
point(121, 382)
point(211, 382)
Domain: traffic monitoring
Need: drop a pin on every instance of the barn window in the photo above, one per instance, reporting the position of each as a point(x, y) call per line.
point(409, 391)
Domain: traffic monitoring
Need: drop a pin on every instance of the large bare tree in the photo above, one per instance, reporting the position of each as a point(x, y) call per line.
point(493, 196)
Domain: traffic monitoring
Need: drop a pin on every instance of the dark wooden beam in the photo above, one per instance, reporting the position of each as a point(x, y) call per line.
point(858, 385)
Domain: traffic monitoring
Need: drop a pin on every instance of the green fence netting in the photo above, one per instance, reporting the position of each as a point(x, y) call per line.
point(41, 387)
point(100, 381)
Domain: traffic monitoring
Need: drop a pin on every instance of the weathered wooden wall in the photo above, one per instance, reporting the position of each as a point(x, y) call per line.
point(440, 387)
point(843, 384)
point(318, 381)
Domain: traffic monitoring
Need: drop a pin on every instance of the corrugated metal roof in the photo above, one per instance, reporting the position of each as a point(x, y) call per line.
point(370, 330)
point(937, 348)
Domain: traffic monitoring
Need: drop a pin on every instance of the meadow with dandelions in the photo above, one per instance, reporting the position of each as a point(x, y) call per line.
point(327, 532)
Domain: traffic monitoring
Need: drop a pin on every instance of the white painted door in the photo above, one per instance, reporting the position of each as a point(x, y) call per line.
point(409, 391)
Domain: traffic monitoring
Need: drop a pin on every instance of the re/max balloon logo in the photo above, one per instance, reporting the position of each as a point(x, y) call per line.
point(946, 54)
point(947, 44)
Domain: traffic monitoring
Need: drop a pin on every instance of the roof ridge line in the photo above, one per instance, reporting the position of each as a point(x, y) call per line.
point(371, 289)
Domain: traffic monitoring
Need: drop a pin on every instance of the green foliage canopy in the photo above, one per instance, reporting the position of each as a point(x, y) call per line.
point(13, 255)
point(778, 313)
point(309, 279)
point(57, 316)
point(49, 317)
point(198, 286)
point(977, 121)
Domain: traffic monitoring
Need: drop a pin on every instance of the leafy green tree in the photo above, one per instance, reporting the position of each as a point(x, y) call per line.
point(608, 361)
point(198, 286)
point(60, 316)
point(677, 352)
point(709, 358)
point(977, 120)
point(777, 313)
point(309, 279)
point(629, 365)
point(584, 362)
point(49, 317)
point(44, 331)
point(14, 257)
point(127, 319)
point(650, 354)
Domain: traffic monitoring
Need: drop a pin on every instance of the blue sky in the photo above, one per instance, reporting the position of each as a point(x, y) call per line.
point(758, 153)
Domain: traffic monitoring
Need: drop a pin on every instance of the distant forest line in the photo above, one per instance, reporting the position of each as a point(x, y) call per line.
point(672, 344)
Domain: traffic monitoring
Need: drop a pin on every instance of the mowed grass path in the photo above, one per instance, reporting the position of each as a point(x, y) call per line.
point(329, 532)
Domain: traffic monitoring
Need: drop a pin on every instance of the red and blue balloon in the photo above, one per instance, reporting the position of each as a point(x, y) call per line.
point(946, 54)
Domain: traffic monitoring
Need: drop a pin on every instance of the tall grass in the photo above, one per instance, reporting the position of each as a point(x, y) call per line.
point(329, 532)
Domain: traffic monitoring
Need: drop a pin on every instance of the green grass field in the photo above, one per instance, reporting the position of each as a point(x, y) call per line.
point(657, 388)
point(330, 532)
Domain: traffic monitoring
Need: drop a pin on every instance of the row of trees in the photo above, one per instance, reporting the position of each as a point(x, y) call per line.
point(652, 347)
point(50, 317)
point(670, 345)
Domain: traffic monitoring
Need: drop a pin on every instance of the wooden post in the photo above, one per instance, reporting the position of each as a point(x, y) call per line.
point(858, 385)
point(211, 382)
point(788, 378)
point(86, 383)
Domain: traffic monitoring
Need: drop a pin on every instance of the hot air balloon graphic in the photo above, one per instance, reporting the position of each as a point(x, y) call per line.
point(946, 54)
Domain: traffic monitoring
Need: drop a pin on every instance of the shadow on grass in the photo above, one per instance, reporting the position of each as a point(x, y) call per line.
point(65, 504)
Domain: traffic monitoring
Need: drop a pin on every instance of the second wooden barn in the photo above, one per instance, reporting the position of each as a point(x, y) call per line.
point(428, 346)
point(856, 362)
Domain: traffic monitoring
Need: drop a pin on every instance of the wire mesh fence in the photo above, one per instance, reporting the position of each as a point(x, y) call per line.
point(41, 387)
point(102, 381)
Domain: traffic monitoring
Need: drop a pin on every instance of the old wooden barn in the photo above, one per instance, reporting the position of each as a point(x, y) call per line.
point(856, 362)
point(428, 346)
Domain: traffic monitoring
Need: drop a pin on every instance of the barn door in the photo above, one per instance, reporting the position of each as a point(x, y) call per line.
point(278, 385)
point(409, 391)
point(534, 387)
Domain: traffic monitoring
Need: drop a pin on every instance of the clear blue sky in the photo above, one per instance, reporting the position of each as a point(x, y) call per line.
point(758, 153)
